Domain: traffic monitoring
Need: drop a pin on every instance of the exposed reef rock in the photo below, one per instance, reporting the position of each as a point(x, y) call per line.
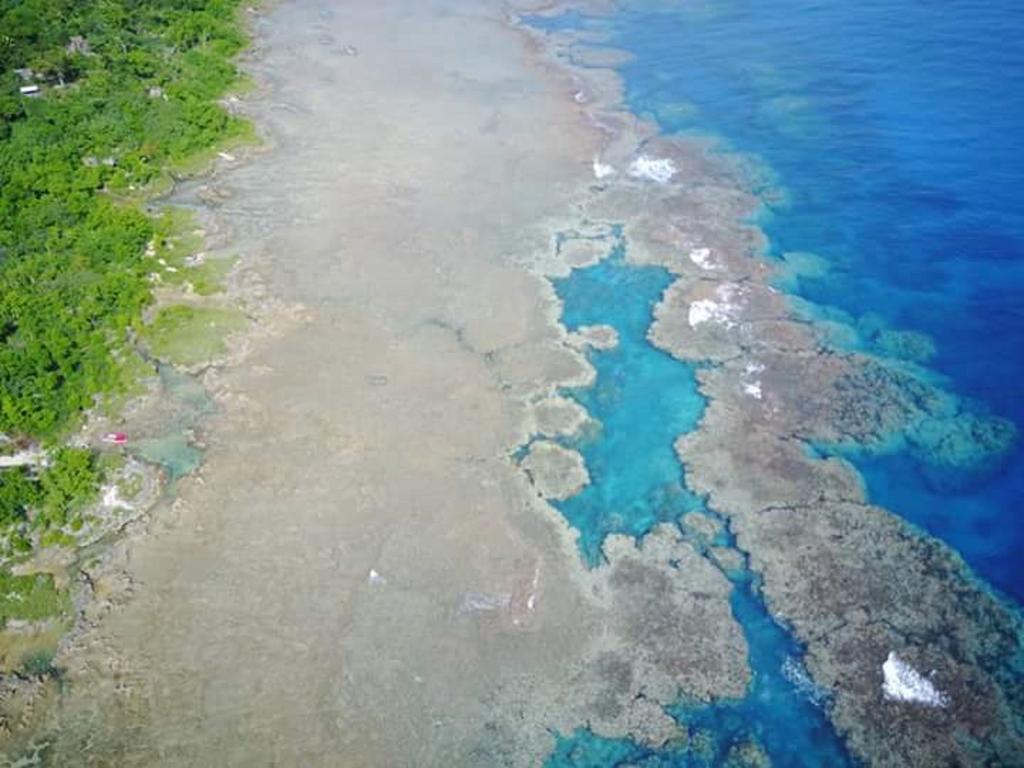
point(669, 622)
point(857, 584)
point(663, 637)
point(599, 337)
point(559, 417)
point(556, 472)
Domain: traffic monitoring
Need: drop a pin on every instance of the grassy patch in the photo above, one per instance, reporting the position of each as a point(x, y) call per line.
point(176, 258)
point(31, 598)
point(209, 277)
point(30, 651)
point(134, 372)
point(187, 335)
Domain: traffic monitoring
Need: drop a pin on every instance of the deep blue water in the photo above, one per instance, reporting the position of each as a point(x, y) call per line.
point(897, 131)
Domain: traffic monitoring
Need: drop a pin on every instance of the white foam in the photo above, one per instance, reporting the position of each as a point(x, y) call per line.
point(754, 367)
point(720, 310)
point(702, 258)
point(112, 498)
point(602, 170)
point(904, 683)
point(753, 389)
point(794, 671)
point(656, 169)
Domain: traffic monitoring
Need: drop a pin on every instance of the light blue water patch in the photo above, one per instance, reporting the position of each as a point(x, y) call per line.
point(168, 440)
point(643, 399)
point(174, 452)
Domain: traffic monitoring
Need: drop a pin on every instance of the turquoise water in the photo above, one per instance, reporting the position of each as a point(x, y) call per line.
point(642, 400)
point(897, 131)
point(167, 439)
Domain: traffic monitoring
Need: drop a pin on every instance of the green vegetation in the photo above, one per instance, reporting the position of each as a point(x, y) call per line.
point(186, 335)
point(47, 502)
point(128, 101)
point(30, 597)
point(129, 94)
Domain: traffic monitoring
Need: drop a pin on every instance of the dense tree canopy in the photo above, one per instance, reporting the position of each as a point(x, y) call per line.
point(128, 94)
point(128, 91)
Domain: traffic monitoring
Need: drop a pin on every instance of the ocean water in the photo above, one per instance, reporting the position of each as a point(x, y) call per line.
point(897, 132)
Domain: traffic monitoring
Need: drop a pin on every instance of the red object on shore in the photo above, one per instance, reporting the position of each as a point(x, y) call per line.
point(117, 438)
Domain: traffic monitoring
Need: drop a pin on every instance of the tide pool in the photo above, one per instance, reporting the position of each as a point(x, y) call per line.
point(897, 132)
point(168, 435)
point(642, 400)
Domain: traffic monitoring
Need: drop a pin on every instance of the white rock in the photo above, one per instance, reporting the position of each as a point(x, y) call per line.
point(904, 683)
point(602, 170)
point(656, 169)
point(112, 498)
point(718, 310)
point(702, 258)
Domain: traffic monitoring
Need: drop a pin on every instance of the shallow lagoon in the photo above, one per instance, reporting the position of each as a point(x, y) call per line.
point(642, 400)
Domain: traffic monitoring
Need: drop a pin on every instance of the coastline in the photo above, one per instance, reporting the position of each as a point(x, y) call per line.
point(441, 612)
point(161, 404)
point(407, 509)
